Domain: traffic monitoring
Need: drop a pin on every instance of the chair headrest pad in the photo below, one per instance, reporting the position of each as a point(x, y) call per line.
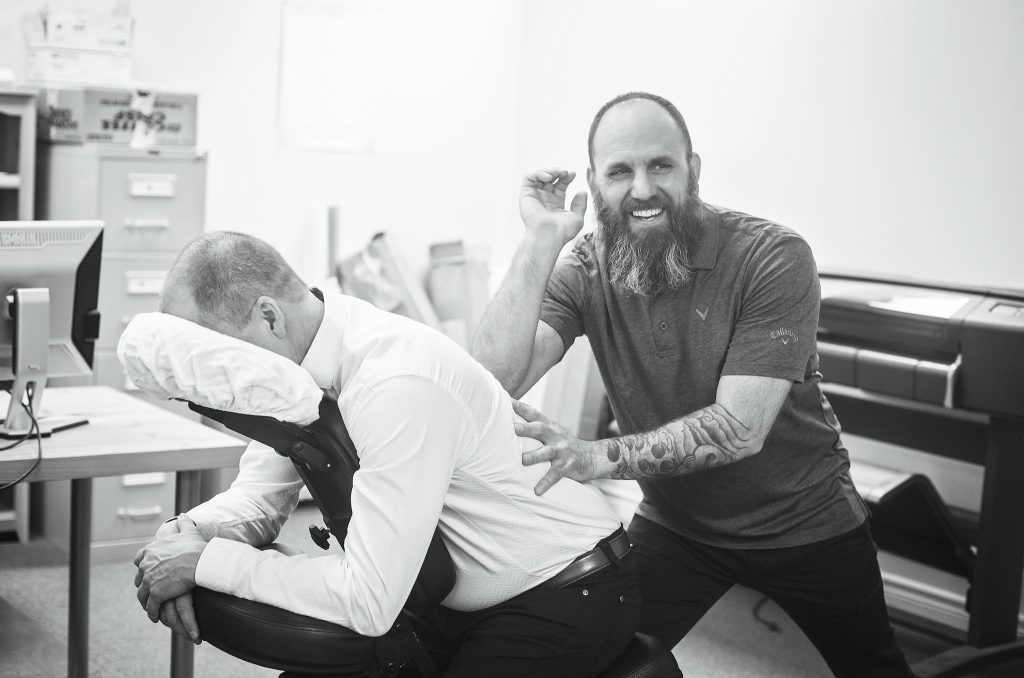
point(170, 357)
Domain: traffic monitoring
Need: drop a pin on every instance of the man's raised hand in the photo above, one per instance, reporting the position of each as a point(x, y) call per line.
point(542, 204)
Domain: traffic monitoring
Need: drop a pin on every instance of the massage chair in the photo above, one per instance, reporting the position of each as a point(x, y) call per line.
point(303, 647)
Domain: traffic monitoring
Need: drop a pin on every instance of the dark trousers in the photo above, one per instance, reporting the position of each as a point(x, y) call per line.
point(559, 632)
point(832, 589)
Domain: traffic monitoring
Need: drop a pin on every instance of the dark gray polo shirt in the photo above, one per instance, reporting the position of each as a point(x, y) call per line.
point(751, 308)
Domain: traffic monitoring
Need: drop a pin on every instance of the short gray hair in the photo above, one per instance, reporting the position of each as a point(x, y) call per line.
point(225, 272)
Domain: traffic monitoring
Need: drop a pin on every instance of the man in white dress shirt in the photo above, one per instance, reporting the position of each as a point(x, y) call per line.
point(437, 446)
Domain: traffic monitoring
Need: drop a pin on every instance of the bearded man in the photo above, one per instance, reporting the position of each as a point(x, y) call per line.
point(703, 322)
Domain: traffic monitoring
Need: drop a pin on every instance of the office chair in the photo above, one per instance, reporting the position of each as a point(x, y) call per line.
point(912, 521)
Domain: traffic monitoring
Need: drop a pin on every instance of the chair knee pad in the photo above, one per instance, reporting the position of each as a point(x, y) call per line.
point(282, 640)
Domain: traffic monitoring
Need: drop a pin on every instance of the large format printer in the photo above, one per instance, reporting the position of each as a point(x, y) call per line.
point(939, 369)
point(959, 349)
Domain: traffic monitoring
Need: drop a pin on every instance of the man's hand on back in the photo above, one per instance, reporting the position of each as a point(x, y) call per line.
point(570, 457)
point(542, 204)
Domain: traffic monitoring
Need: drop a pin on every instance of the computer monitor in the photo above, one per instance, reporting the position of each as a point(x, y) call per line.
point(49, 283)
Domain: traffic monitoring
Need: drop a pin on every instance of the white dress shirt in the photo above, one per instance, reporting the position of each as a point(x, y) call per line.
point(435, 438)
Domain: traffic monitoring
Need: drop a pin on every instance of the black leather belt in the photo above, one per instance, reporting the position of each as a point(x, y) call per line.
point(608, 551)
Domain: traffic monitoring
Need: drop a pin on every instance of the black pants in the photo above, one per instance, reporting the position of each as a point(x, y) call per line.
point(563, 633)
point(832, 589)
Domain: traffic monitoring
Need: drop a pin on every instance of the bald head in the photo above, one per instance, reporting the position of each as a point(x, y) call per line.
point(643, 98)
point(218, 277)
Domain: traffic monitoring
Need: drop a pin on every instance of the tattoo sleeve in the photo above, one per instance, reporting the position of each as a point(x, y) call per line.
point(706, 438)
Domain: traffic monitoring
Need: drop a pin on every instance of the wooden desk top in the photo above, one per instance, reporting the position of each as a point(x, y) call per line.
point(125, 434)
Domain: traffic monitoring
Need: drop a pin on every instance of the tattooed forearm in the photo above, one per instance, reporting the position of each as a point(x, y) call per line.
point(706, 438)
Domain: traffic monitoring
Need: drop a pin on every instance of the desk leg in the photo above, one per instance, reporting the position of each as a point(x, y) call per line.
point(78, 578)
point(186, 495)
point(996, 586)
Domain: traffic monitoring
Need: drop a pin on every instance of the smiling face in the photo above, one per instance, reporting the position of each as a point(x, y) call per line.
point(641, 165)
point(644, 182)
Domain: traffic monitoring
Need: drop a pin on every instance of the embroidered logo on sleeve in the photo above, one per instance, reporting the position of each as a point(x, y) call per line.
point(703, 314)
point(786, 335)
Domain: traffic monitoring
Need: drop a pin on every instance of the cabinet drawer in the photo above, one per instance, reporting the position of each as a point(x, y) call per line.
point(151, 205)
point(131, 506)
point(129, 284)
point(107, 371)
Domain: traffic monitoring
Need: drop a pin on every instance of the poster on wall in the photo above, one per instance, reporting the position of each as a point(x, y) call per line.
point(327, 98)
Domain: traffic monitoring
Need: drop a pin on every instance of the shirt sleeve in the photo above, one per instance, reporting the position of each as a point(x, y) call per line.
point(778, 318)
point(409, 433)
point(566, 297)
point(257, 504)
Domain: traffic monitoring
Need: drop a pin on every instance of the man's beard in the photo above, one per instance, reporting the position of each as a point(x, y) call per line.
point(649, 261)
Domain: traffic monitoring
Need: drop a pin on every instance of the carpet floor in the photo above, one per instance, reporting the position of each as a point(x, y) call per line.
point(728, 642)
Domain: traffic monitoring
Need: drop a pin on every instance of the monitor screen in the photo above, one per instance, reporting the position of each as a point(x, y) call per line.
point(63, 257)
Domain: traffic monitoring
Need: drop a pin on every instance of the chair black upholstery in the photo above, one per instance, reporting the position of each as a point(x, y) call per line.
point(275, 638)
point(304, 647)
point(645, 657)
point(912, 521)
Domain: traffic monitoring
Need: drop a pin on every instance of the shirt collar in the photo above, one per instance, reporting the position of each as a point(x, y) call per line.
point(706, 253)
point(324, 355)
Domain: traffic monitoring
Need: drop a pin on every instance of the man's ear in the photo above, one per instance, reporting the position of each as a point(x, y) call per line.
point(695, 165)
point(590, 176)
point(267, 310)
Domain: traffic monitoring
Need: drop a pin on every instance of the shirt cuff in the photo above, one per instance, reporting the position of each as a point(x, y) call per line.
point(218, 562)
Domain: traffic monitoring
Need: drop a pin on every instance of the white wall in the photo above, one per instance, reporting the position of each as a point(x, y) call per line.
point(443, 164)
point(887, 133)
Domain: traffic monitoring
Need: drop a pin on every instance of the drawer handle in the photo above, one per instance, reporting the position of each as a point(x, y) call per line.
point(151, 185)
point(144, 282)
point(140, 514)
point(147, 224)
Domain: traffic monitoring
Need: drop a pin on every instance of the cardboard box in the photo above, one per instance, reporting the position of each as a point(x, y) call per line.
point(51, 65)
point(98, 115)
point(72, 46)
point(77, 29)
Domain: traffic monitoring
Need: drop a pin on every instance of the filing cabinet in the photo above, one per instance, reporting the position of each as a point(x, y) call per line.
point(152, 204)
point(130, 283)
point(126, 512)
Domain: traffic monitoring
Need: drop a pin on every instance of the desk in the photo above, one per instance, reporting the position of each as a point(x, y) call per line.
point(124, 435)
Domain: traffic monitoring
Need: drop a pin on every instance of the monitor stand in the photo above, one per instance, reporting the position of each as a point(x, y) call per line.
point(48, 425)
point(29, 308)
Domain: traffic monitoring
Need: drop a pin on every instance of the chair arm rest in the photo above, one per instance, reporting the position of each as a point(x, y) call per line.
point(278, 639)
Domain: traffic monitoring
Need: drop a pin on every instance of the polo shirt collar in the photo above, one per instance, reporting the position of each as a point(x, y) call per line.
point(324, 356)
point(706, 253)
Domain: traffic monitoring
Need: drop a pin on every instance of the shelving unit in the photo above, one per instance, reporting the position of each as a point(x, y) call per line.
point(17, 200)
point(17, 153)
